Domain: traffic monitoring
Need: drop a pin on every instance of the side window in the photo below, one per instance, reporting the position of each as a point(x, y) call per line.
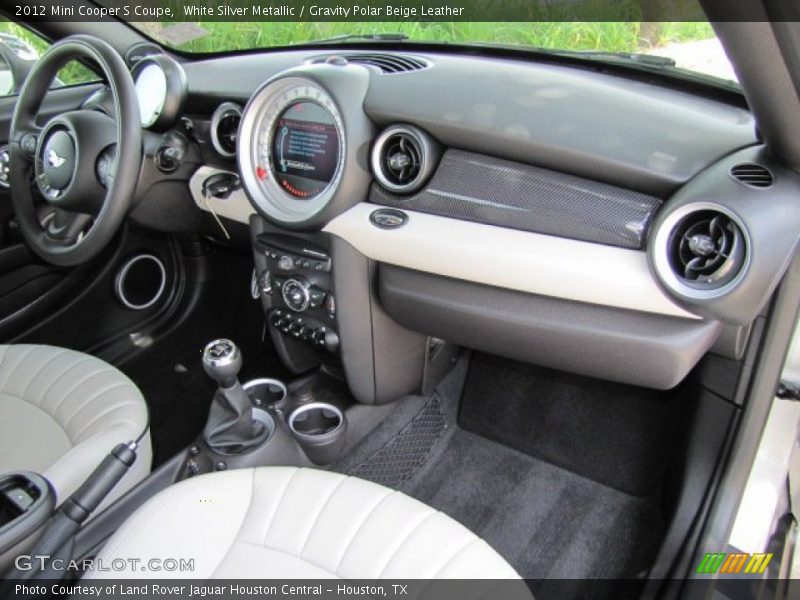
point(19, 51)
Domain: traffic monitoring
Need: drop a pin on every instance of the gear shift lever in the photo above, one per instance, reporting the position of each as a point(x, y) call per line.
point(222, 361)
point(231, 428)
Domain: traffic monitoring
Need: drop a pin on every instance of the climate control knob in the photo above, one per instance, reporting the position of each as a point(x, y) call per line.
point(296, 294)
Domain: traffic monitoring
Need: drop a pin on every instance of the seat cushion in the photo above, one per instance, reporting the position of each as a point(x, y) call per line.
point(287, 522)
point(62, 412)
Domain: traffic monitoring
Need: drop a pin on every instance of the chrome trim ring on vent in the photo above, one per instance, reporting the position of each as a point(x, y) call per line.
point(660, 252)
point(119, 284)
point(428, 157)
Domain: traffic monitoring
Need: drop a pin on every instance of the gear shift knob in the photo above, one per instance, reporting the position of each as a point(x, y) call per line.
point(222, 361)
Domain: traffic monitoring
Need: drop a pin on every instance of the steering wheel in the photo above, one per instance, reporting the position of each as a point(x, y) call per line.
point(84, 163)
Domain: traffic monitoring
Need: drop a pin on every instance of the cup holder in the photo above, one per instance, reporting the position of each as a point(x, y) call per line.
point(262, 416)
point(320, 430)
point(265, 392)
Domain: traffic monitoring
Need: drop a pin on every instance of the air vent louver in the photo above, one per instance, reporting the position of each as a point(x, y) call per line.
point(226, 132)
point(706, 250)
point(403, 158)
point(752, 175)
point(225, 128)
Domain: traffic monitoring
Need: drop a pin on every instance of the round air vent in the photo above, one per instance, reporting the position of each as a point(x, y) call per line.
point(403, 158)
point(701, 250)
point(225, 128)
point(752, 175)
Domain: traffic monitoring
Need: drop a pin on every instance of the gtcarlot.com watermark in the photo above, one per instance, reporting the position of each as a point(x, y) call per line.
point(27, 562)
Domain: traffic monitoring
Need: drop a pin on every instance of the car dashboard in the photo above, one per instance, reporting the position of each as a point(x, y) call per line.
point(609, 225)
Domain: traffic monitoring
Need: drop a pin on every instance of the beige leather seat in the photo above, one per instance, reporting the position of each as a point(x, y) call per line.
point(291, 523)
point(62, 412)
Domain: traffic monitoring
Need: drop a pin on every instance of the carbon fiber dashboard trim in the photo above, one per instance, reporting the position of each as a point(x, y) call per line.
point(488, 190)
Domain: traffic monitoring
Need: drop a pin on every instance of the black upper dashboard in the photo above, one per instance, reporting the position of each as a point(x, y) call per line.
point(646, 137)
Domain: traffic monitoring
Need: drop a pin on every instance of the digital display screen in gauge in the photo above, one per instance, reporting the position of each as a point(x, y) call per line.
point(305, 149)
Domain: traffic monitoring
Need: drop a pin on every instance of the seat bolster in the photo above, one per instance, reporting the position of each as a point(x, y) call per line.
point(94, 406)
point(287, 522)
point(197, 519)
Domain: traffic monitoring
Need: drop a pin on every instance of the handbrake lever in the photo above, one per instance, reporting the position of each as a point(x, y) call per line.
point(58, 538)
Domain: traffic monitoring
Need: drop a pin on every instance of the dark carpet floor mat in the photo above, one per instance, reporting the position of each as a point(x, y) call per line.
point(615, 434)
point(547, 521)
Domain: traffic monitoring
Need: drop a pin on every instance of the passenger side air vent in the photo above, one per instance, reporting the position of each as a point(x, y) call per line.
point(752, 175)
point(706, 250)
point(387, 63)
point(225, 128)
point(403, 158)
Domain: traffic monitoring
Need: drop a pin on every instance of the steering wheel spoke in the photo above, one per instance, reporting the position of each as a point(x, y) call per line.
point(23, 143)
point(65, 228)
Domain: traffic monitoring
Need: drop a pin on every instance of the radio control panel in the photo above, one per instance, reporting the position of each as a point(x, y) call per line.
point(297, 282)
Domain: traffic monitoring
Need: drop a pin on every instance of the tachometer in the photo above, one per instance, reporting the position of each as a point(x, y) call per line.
point(160, 90)
point(151, 91)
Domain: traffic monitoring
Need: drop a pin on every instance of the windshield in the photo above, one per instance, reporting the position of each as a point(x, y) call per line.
point(692, 45)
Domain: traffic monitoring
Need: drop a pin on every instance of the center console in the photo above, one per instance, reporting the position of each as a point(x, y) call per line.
point(301, 149)
point(297, 279)
point(263, 421)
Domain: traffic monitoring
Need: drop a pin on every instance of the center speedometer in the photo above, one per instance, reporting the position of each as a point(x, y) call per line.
point(291, 148)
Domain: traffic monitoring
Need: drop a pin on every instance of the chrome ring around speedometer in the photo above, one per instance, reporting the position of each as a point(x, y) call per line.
point(291, 149)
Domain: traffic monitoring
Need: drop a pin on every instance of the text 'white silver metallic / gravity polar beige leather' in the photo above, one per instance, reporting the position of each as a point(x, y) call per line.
point(296, 523)
point(62, 412)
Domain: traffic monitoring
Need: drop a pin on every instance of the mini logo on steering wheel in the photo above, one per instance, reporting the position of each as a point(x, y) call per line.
point(54, 160)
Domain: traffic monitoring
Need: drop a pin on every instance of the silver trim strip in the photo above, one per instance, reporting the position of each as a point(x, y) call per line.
point(510, 259)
